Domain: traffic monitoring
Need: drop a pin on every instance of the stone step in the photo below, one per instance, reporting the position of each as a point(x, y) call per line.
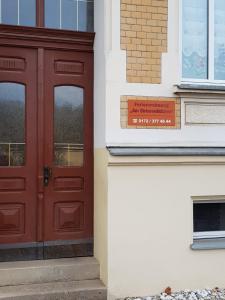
point(71, 290)
point(54, 270)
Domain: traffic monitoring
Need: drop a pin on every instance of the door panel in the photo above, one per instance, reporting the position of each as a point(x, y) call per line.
point(46, 153)
point(68, 146)
point(18, 145)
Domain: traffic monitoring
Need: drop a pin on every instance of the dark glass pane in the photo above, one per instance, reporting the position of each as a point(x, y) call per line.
point(68, 126)
point(17, 154)
point(12, 124)
point(10, 12)
point(209, 217)
point(69, 14)
point(52, 13)
point(27, 11)
point(4, 155)
point(86, 16)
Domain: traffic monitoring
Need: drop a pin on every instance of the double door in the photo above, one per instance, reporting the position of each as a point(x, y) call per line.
point(46, 163)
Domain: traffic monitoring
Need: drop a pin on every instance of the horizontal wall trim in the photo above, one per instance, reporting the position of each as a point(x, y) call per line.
point(166, 151)
point(191, 86)
point(165, 164)
point(208, 244)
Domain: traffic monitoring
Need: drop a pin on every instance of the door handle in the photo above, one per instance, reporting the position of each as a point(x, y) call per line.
point(47, 175)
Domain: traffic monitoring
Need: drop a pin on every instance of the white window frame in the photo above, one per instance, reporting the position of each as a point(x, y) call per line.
point(210, 80)
point(208, 234)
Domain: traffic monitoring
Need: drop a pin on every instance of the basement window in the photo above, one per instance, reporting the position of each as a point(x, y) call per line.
point(209, 220)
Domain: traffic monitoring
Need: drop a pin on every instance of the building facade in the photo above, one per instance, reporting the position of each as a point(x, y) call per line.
point(112, 144)
point(159, 189)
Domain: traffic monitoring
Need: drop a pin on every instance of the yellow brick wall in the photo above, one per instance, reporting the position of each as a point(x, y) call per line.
point(144, 37)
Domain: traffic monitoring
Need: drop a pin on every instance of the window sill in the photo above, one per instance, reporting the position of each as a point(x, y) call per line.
point(208, 244)
point(166, 151)
point(185, 89)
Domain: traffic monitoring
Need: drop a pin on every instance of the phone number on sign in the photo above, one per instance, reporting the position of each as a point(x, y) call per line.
point(152, 121)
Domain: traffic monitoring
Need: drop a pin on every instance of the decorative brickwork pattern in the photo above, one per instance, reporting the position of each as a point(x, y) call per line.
point(144, 37)
point(124, 111)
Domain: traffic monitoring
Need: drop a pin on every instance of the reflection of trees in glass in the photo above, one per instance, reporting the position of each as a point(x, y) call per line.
point(17, 155)
point(60, 157)
point(11, 121)
point(4, 155)
point(68, 155)
point(69, 124)
point(68, 115)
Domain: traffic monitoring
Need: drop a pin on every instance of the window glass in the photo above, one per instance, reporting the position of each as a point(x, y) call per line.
point(27, 9)
point(69, 14)
point(209, 217)
point(195, 39)
point(219, 53)
point(12, 124)
point(85, 16)
point(9, 11)
point(52, 13)
point(68, 126)
point(60, 14)
point(18, 12)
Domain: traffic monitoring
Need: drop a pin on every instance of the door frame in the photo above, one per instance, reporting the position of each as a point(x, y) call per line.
point(42, 39)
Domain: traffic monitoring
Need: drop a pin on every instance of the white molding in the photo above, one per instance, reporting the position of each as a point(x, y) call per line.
point(208, 234)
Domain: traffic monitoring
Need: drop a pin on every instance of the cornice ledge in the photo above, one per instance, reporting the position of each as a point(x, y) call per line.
point(186, 89)
point(166, 151)
point(164, 163)
point(45, 34)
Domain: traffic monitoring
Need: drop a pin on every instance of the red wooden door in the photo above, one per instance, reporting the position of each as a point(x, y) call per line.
point(18, 140)
point(68, 145)
point(46, 181)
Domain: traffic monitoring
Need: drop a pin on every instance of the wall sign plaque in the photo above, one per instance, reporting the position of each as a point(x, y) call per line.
point(152, 113)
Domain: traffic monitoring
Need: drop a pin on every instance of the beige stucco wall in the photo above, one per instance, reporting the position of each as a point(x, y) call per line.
point(150, 225)
point(143, 207)
point(100, 211)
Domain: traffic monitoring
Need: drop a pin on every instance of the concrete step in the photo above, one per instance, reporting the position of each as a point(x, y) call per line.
point(72, 290)
point(44, 271)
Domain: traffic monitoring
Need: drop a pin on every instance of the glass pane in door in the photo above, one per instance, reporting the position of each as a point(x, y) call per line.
point(68, 126)
point(12, 124)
